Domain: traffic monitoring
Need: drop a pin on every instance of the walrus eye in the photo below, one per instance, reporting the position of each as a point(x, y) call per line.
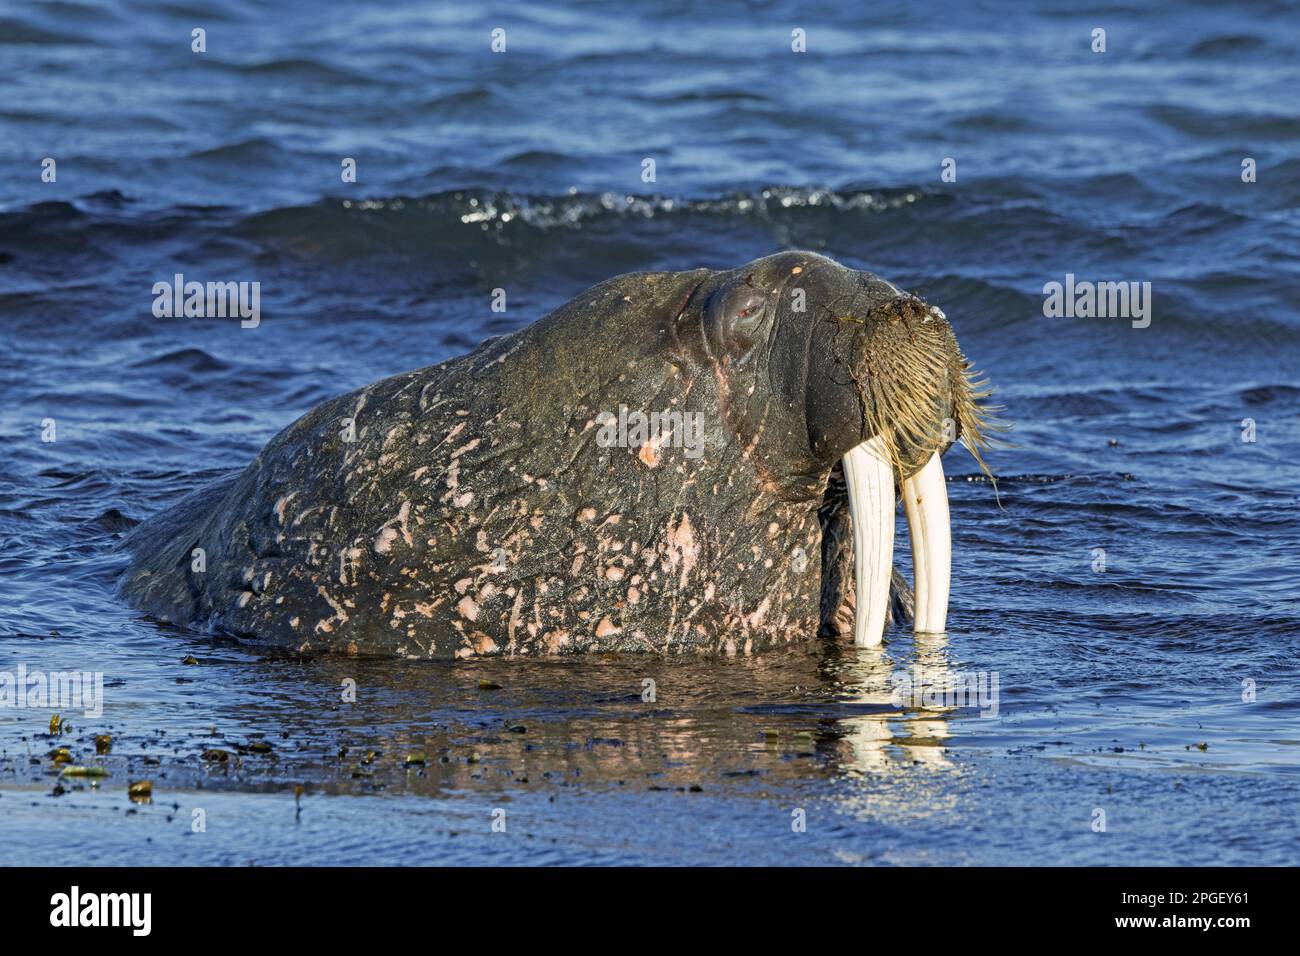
point(747, 312)
point(736, 317)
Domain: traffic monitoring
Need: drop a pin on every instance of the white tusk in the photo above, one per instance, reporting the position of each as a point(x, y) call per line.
point(925, 499)
point(870, 480)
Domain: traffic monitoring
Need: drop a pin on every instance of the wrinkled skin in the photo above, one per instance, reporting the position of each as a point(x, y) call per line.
point(474, 510)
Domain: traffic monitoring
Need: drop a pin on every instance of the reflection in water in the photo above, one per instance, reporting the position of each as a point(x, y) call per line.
point(866, 679)
point(821, 710)
point(929, 730)
point(578, 751)
point(901, 735)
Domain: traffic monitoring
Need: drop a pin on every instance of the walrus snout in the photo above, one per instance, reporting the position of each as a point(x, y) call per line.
point(887, 392)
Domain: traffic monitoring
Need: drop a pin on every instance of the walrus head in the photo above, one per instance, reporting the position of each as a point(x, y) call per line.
point(823, 370)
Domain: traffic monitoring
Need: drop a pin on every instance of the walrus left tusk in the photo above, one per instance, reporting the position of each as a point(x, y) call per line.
point(870, 479)
point(925, 499)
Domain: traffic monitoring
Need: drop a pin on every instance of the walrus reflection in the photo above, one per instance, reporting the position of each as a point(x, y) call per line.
point(907, 736)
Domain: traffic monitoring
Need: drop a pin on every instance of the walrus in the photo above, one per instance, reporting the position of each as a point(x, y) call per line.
point(519, 500)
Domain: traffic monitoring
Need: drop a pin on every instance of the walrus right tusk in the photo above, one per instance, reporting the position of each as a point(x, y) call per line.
point(925, 499)
point(870, 480)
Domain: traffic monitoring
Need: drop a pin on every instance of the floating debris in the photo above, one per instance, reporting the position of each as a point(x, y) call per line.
point(141, 791)
point(415, 759)
point(55, 723)
point(77, 771)
point(260, 747)
point(488, 685)
point(189, 659)
point(60, 755)
point(216, 754)
point(103, 743)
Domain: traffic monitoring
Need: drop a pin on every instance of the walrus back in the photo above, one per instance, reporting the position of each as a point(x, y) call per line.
point(162, 551)
point(225, 550)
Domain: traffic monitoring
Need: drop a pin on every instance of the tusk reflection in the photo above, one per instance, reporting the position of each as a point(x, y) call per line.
point(914, 729)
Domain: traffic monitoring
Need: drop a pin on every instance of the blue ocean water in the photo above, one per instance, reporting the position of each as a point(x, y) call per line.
point(1161, 690)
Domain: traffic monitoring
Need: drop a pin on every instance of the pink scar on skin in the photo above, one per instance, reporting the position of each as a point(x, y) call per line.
point(683, 551)
point(384, 540)
point(281, 504)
